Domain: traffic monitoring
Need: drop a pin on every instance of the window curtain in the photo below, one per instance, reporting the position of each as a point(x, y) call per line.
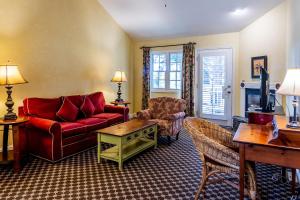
point(146, 77)
point(188, 72)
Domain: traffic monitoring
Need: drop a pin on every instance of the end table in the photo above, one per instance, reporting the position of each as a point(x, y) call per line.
point(12, 155)
point(117, 103)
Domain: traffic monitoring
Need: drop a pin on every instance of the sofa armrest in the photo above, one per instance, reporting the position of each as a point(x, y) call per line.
point(117, 109)
point(175, 116)
point(144, 114)
point(45, 125)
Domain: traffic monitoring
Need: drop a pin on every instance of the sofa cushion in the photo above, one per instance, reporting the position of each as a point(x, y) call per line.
point(42, 107)
point(71, 129)
point(68, 111)
point(98, 101)
point(93, 124)
point(112, 118)
point(77, 100)
point(87, 107)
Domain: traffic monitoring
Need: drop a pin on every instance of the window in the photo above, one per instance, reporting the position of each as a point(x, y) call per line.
point(166, 71)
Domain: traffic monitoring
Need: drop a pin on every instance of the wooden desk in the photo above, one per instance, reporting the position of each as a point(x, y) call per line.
point(254, 146)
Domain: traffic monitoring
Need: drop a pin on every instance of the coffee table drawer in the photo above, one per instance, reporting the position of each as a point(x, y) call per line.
point(131, 137)
point(149, 130)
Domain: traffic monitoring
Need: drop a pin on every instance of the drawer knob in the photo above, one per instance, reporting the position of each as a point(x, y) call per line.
point(151, 129)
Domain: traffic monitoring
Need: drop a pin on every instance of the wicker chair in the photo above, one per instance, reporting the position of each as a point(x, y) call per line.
point(218, 154)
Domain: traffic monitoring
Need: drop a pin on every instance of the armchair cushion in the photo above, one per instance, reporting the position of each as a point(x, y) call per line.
point(42, 107)
point(87, 107)
point(144, 114)
point(175, 116)
point(161, 107)
point(98, 101)
point(68, 111)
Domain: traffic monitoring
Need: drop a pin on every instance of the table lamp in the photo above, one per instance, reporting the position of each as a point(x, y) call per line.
point(118, 78)
point(291, 87)
point(9, 76)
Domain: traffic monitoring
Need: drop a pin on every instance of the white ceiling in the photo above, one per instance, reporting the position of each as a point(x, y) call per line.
point(149, 19)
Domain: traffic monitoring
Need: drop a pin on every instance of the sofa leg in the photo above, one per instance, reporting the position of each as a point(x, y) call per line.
point(169, 139)
point(177, 135)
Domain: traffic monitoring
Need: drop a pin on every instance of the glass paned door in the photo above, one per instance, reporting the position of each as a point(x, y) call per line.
point(215, 72)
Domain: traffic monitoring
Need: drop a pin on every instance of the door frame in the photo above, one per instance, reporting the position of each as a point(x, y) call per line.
point(198, 78)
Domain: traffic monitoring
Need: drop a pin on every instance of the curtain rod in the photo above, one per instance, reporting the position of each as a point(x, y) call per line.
point(169, 45)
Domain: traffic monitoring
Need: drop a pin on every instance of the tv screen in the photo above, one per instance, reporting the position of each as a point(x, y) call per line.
point(265, 104)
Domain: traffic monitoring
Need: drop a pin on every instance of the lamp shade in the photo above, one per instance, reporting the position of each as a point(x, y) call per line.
point(291, 83)
point(10, 75)
point(119, 77)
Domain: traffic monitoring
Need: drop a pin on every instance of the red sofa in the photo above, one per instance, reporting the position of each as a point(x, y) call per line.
point(51, 138)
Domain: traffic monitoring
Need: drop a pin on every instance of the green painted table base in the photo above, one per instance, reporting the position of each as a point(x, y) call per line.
point(126, 146)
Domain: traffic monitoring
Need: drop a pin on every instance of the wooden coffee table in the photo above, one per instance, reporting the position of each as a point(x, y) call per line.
point(129, 138)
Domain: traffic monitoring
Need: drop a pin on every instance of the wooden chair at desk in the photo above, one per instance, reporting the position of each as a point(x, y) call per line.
point(271, 144)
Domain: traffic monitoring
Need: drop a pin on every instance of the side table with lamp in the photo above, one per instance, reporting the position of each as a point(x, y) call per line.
point(119, 78)
point(9, 76)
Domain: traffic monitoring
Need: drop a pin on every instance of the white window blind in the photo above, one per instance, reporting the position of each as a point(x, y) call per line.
point(213, 81)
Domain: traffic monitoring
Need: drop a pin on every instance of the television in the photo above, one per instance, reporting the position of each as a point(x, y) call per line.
point(265, 103)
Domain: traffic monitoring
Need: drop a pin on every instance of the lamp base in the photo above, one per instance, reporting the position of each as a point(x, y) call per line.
point(293, 125)
point(119, 93)
point(10, 116)
point(119, 100)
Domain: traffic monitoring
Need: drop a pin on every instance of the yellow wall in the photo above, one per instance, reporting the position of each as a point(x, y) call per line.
point(228, 40)
point(266, 36)
point(293, 33)
point(63, 47)
point(293, 41)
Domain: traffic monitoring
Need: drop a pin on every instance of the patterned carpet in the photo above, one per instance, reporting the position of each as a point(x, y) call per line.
point(168, 172)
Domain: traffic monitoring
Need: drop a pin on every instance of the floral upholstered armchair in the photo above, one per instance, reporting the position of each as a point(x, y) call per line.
point(168, 112)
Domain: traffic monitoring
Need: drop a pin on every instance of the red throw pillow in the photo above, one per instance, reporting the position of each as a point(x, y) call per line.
point(98, 102)
point(87, 107)
point(68, 111)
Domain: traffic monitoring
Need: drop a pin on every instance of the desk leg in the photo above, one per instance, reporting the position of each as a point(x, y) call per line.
point(242, 170)
point(293, 181)
point(16, 142)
